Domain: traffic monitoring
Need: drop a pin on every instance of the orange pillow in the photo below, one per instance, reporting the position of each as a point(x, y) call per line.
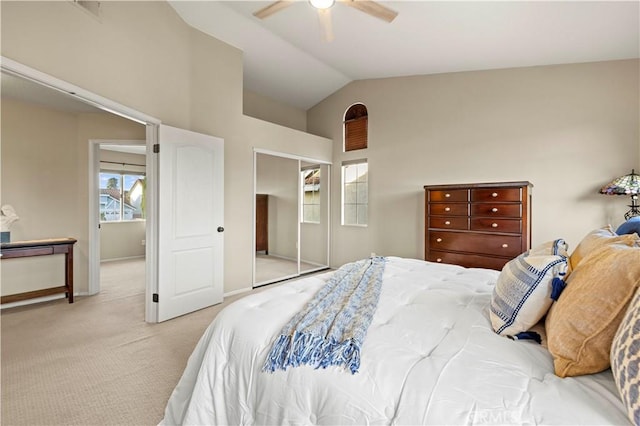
point(582, 323)
point(597, 238)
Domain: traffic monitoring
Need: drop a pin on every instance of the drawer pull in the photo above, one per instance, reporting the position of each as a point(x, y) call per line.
point(438, 260)
point(438, 240)
point(495, 209)
point(447, 209)
point(494, 195)
point(505, 245)
point(447, 195)
point(447, 222)
point(494, 225)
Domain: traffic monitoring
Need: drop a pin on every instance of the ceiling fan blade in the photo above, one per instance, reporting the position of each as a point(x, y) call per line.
point(324, 15)
point(272, 8)
point(372, 8)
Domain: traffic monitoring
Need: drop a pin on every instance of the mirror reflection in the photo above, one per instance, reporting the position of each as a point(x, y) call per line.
point(314, 229)
point(291, 218)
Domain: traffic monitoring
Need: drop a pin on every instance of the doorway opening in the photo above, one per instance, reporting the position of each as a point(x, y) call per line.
point(119, 169)
point(51, 89)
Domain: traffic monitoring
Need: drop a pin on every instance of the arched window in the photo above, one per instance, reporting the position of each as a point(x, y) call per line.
point(355, 127)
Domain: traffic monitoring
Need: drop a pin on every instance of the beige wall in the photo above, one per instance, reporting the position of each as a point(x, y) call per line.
point(134, 48)
point(124, 157)
point(122, 240)
point(568, 129)
point(258, 106)
point(142, 55)
point(43, 152)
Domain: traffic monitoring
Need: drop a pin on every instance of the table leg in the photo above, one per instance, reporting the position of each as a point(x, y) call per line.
point(69, 272)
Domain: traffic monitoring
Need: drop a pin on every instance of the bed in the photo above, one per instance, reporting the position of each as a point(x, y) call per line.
point(431, 356)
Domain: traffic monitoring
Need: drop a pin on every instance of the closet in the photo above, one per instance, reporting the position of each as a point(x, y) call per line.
point(291, 216)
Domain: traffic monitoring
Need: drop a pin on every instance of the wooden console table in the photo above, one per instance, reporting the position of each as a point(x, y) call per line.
point(42, 248)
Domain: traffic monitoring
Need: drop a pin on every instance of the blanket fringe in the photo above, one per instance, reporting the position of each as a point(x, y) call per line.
point(307, 349)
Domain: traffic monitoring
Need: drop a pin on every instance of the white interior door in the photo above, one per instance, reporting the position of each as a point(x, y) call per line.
point(190, 221)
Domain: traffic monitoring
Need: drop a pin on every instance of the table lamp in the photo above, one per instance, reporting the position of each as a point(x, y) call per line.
point(625, 185)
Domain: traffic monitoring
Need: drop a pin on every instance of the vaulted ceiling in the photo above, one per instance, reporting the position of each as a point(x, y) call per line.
point(287, 59)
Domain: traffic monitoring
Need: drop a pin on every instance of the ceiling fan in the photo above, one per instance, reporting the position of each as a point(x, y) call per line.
point(324, 11)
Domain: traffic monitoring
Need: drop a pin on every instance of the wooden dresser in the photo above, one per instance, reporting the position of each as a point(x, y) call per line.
point(481, 225)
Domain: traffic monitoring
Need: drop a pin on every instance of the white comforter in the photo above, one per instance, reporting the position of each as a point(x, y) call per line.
point(430, 357)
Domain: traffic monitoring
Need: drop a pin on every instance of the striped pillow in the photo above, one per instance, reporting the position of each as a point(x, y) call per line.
point(524, 291)
point(625, 359)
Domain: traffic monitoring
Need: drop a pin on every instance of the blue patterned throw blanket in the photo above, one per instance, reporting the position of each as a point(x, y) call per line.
point(332, 326)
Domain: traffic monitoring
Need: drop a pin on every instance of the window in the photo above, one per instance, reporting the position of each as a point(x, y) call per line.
point(355, 193)
point(356, 122)
point(122, 196)
point(311, 195)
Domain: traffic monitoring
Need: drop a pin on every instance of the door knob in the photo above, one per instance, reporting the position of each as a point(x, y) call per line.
point(220, 229)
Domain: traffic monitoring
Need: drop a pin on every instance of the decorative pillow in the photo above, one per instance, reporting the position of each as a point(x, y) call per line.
point(522, 295)
point(631, 226)
point(625, 359)
point(597, 238)
point(581, 324)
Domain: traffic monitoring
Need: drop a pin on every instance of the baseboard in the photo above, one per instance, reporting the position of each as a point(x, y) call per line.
point(122, 258)
point(234, 292)
point(41, 300)
point(32, 301)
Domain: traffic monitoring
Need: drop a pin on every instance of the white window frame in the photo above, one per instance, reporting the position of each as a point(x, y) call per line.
point(345, 165)
point(121, 174)
point(317, 193)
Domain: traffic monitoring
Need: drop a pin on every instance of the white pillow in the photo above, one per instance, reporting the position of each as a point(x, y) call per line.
point(522, 295)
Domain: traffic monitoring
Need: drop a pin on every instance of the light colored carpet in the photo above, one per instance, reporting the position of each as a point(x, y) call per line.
point(95, 362)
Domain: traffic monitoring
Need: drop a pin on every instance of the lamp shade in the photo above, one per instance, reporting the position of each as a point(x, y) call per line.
point(624, 185)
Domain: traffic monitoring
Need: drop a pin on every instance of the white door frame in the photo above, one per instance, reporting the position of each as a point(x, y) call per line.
point(94, 194)
point(15, 68)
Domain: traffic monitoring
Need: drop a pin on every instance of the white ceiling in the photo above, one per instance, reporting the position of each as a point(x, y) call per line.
point(285, 57)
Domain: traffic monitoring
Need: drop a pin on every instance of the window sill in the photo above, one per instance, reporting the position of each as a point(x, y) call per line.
point(122, 221)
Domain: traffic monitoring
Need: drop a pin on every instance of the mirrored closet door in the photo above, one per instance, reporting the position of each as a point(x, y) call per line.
point(291, 217)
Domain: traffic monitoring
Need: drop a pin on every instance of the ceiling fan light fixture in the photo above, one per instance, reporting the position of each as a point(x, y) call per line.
point(322, 4)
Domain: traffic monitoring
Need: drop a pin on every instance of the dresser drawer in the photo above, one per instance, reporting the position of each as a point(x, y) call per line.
point(467, 260)
point(496, 194)
point(513, 226)
point(497, 245)
point(449, 209)
point(452, 195)
point(449, 222)
point(496, 210)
